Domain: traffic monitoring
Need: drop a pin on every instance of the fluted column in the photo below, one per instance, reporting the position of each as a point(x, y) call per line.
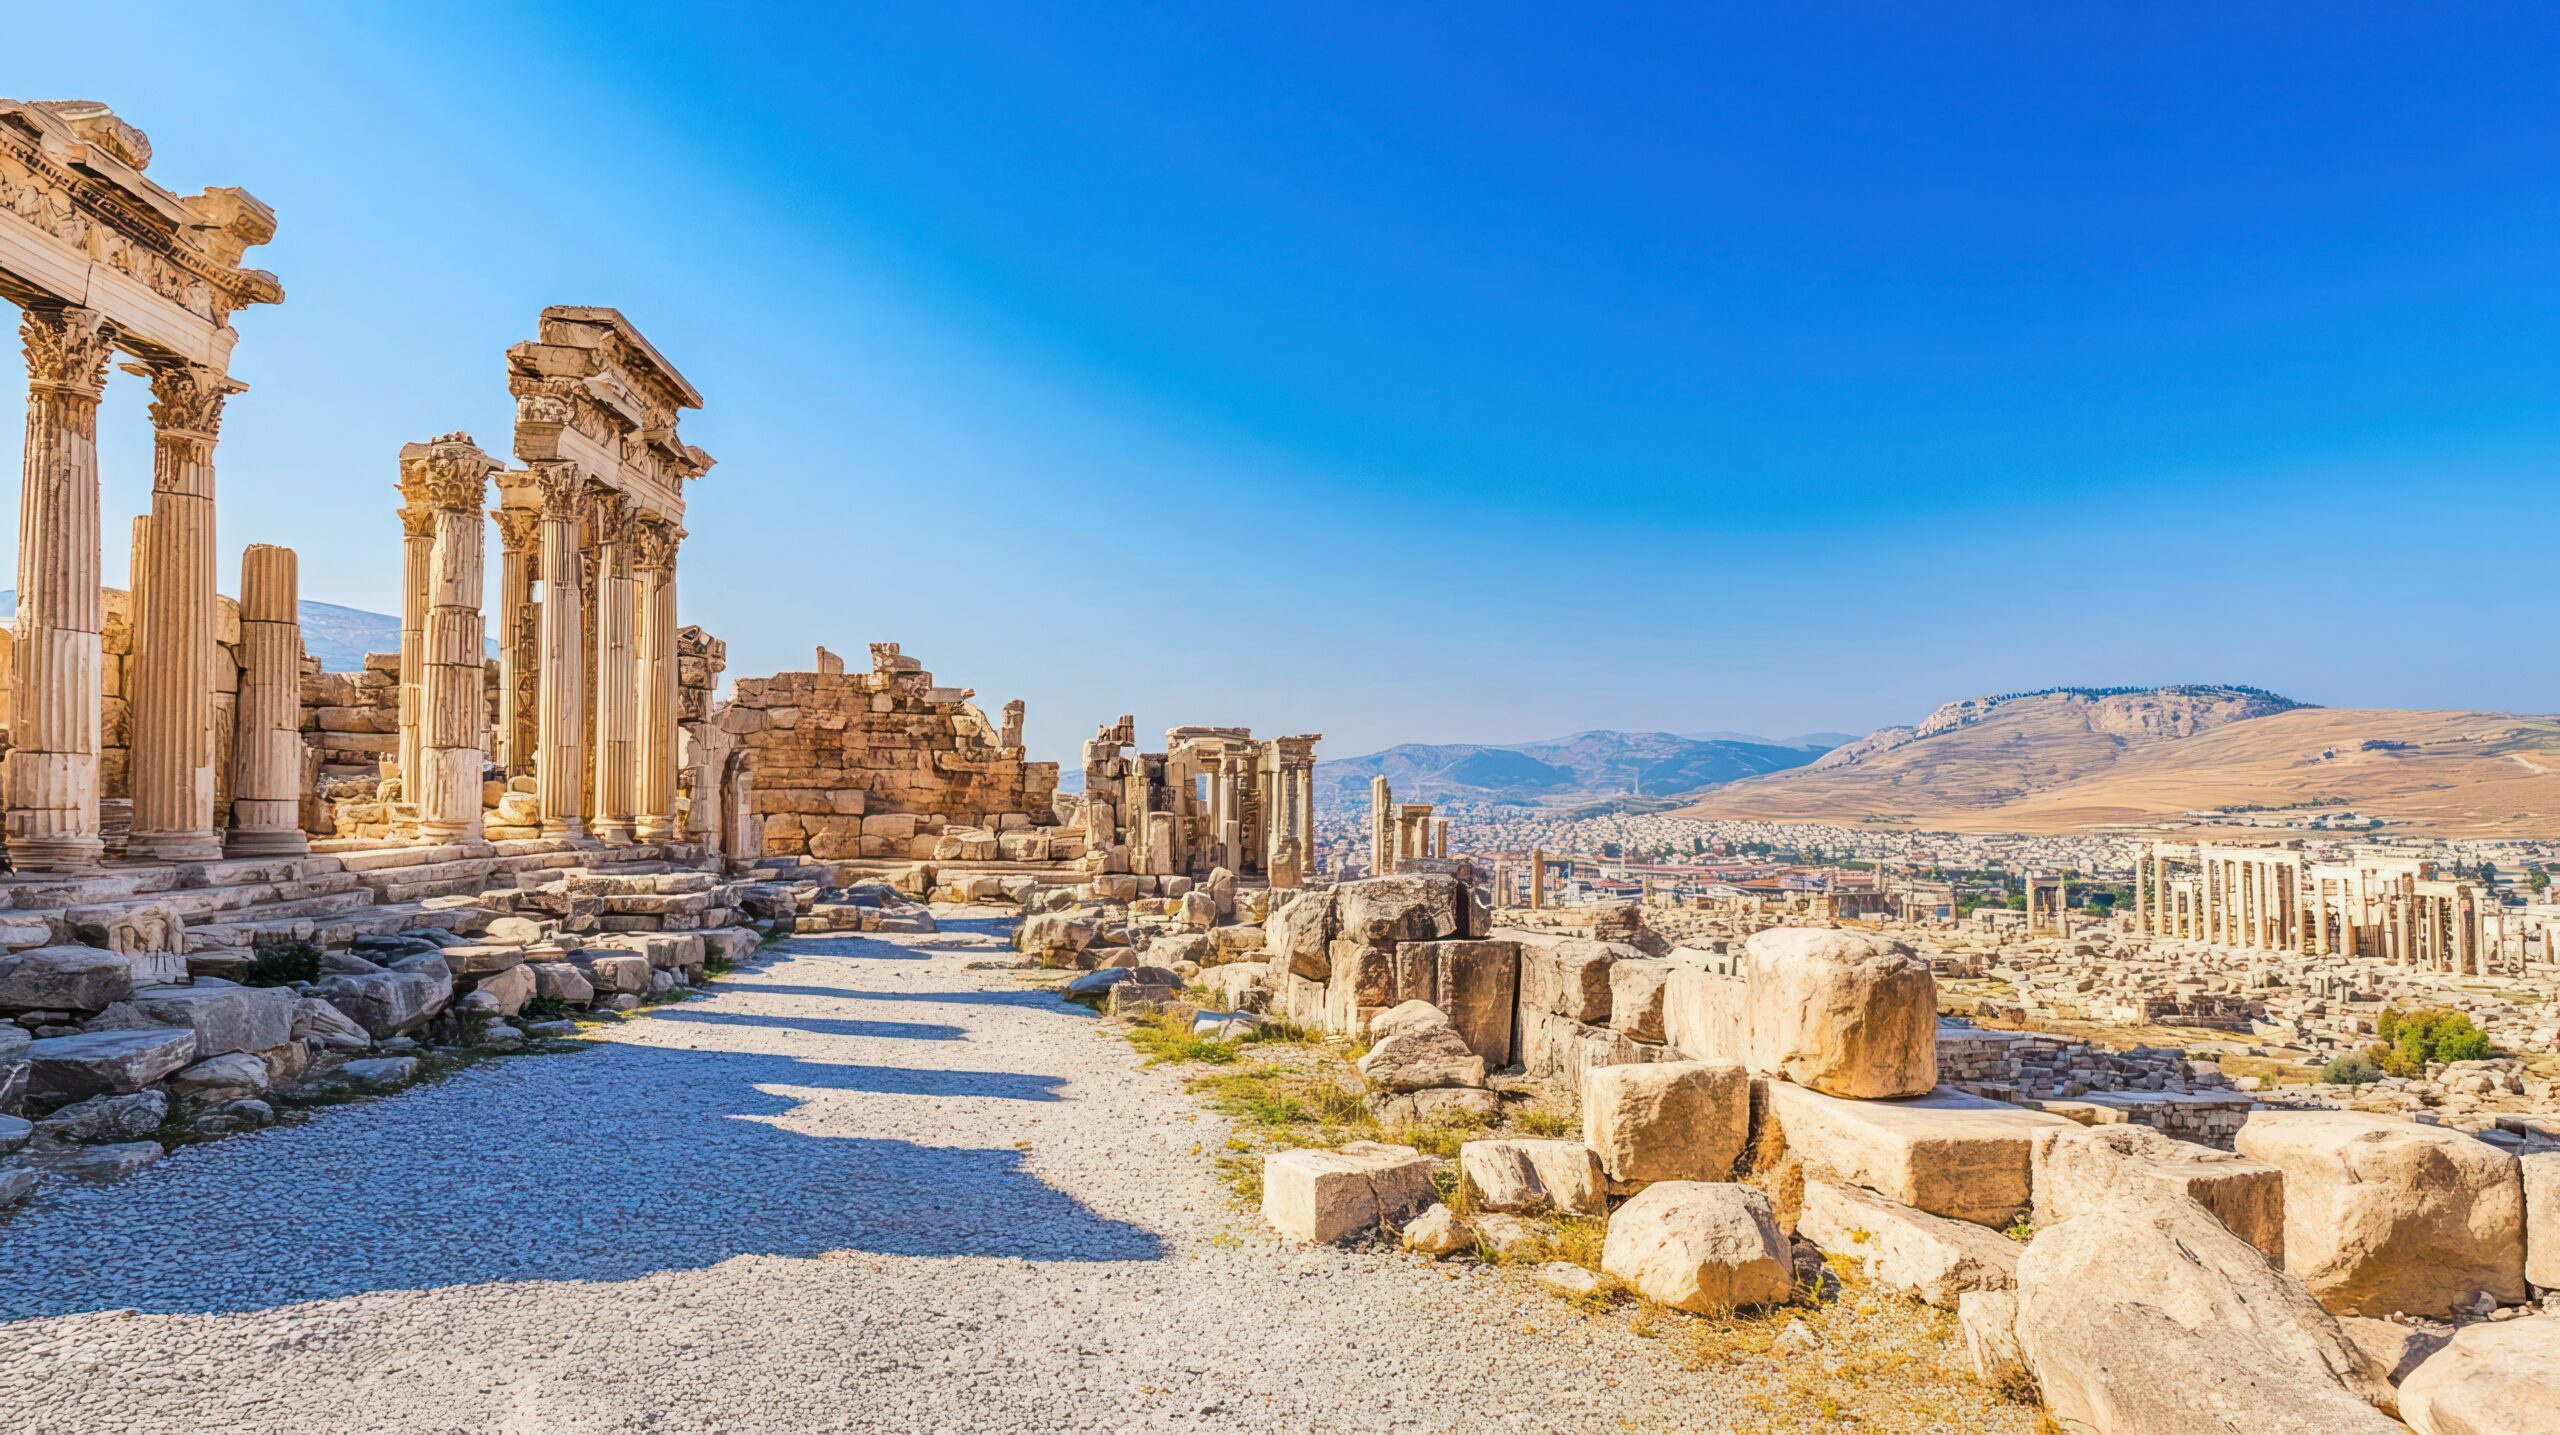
point(614, 758)
point(417, 560)
point(266, 756)
point(449, 479)
point(518, 641)
point(1306, 822)
point(173, 816)
point(559, 756)
point(55, 673)
point(653, 559)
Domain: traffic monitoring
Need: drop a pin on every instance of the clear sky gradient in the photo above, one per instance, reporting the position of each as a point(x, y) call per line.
point(1464, 373)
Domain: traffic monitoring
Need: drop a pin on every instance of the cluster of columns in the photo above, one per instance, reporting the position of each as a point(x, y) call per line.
point(2246, 898)
point(57, 663)
point(1402, 832)
point(1288, 780)
point(2273, 900)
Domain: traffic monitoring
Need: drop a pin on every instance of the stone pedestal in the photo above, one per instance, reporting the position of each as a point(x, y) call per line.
point(267, 783)
point(55, 676)
point(173, 748)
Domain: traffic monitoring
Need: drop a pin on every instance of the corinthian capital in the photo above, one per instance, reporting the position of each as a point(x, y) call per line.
point(562, 489)
point(447, 473)
point(653, 543)
point(608, 517)
point(517, 527)
point(187, 399)
point(67, 349)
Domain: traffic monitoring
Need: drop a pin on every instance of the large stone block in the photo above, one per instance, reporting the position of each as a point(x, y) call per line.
point(1426, 907)
point(2541, 1172)
point(1666, 1121)
point(1845, 1013)
point(2494, 1379)
point(1571, 978)
point(1636, 990)
point(2384, 1215)
point(1706, 1247)
point(65, 978)
point(1528, 1175)
point(104, 1063)
point(1326, 1196)
point(224, 1018)
point(2077, 1167)
point(388, 1004)
point(1477, 984)
point(1927, 1256)
point(1949, 1154)
point(2150, 1316)
point(1706, 1016)
point(1417, 1057)
point(1300, 935)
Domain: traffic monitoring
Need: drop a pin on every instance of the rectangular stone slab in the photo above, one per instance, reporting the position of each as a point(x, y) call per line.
point(1326, 1196)
point(1947, 1153)
point(1931, 1257)
point(102, 1063)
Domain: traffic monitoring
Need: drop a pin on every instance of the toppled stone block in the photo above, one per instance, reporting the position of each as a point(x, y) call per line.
point(63, 1069)
point(613, 973)
point(1706, 1247)
point(224, 1018)
point(2490, 1379)
point(1947, 1153)
point(1526, 1175)
point(1382, 911)
point(1326, 1196)
point(229, 1077)
point(64, 978)
point(1843, 1013)
point(317, 1020)
point(561, 982)
point(1706, 1016)
point(2078, 1167)
point(2150, 1315)
point(2384, 1215)
point(1931, 1257)
point(508, 990)
point(392, 1003)
point(1636, 991)
point(1477, 984)
point(1419, 1056)
point(135, 1116)
point(1666, 1121)
point(1571, 978)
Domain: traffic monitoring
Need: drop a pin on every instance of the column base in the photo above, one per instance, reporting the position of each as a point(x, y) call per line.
point(656, 829)
point(266, 842)
point(573, 829)
point(613, 831)
point(68, 856)
point(438, 834)
point(173, 847)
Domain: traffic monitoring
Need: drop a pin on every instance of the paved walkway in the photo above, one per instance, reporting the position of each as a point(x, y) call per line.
point(862, 1187)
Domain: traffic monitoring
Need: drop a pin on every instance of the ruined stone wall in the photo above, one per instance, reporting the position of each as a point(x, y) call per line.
point(876, 764)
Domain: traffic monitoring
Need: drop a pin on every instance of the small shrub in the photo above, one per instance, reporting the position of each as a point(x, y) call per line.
point(2412, 1040)
point(2358, 1069)
point(281, 964)
point(1544, 1121)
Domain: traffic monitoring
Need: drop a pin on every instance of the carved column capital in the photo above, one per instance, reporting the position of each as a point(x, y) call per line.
point(447, 474)
point(518, 528)
point(187, 399)
point(561, 490)
point(653, 543)
point(67, 349)
point(608, 517)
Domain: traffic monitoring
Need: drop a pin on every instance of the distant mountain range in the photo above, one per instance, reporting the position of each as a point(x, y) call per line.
point(2074, 759)
point(1585, 767)
point(339, 637)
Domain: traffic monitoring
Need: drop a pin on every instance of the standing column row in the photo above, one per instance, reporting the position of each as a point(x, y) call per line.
point(562, 708)
point(654, 567)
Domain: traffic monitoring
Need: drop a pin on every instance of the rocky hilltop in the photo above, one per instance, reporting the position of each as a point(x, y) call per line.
point(1579, 768)
point(2075, 759)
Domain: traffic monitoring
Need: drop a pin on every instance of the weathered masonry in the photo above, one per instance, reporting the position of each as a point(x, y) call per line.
point(1215, 797)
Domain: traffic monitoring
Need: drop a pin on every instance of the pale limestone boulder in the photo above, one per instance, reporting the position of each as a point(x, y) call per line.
point(509, 989)
point(1636, 989)
point(561, 982)
point(2385, 1215)
point(2149, 1317)
point(224, 1018)
point(2076, 1167)
point(1381, 911)
point(1438, 1232)
point(2541, 1170)
point(316, 1020)
point(1706, 1016)
point(230, 1076)
point(1844, 1013)
point(104, 1063)
point(1422, 1056)
point(1300, 935)
point(1989, 1320)
point(1412, 1016)
point(1666, 1121)
point(1524, 1175)
point(1948, 1153)
point(64, 978)
point(1931, 1257)
point(2498, 1378)
point(1701, 1246)
point(1198, 911)
point(1326, 1196)
point(1571, 978)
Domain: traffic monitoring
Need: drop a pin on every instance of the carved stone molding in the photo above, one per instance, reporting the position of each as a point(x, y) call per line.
point(67, 349)
point(187, 399)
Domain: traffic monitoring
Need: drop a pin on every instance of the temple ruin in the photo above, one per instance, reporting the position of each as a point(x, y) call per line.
point(2377, 903)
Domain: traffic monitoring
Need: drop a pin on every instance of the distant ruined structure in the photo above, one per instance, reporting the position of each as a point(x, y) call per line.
point(2273, 898)
point(1215, 797)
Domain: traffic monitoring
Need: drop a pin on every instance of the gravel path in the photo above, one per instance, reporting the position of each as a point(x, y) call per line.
point(862, 1187)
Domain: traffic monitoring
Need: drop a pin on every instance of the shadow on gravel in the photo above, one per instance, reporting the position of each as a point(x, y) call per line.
point(609, 1166)
point(824, 1025)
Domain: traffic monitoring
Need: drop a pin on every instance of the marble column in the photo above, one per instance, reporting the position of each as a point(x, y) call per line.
point(417, 561)
point(615, 760)
point(1440, 838)
point(1537, 878)
point(1306, 822)
point(559, 760)
point(519, 638)
point(449, 480)
point(653, 566)
point(266, 784)
point(173, 751)
point(1382, 837)
point(56, 678)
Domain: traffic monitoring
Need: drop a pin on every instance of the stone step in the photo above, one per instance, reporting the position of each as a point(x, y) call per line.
point(242, 926)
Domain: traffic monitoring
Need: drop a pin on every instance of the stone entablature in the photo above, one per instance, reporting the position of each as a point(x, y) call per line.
point(843, 765)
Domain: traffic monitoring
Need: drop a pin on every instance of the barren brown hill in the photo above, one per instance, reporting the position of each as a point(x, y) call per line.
point(2068, 762)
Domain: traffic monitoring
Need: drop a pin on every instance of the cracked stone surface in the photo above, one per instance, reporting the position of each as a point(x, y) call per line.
point(862, 1186)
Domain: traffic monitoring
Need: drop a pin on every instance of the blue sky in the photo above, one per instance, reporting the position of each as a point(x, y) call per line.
point(1464, 373)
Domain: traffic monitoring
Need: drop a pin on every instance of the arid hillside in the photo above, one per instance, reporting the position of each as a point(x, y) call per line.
point(2070, 761)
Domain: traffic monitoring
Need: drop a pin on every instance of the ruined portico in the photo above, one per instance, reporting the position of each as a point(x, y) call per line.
point(1215, 797)
point(103, 260)
point(2274, 898)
